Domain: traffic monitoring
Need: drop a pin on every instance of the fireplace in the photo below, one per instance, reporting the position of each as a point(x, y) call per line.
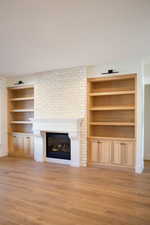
point(58, 146)
point(70, 128)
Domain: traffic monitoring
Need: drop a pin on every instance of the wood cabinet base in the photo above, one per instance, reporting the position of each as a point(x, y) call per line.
point(112, 154)
point(21, 145)
point(112, 167)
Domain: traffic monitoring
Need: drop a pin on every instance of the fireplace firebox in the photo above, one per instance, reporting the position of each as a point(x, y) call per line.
point(58, 146)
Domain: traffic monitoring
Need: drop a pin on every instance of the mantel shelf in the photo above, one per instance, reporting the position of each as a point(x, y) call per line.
point(112, 93)
point(112, 124)
point(112, 108)
point(22, 99)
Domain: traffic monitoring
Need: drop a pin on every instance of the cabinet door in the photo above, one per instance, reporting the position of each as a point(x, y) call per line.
point(116, 153)
point(94, 152)
point(105, 152)
point(123, 153)
point(18, 145)
point(28, 146)
point(101, 152)
point(128, 154)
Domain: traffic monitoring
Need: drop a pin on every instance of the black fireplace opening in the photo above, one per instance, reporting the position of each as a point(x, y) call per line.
point(58, 146)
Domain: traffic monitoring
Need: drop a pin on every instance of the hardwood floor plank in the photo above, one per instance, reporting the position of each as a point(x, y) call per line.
point(34, 193)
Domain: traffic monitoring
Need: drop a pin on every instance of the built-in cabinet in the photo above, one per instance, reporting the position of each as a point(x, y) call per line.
point(20, 119)
point(101, 151)
point(21, 146)
point(108, 152)
point(112, 121)
point(123, 153)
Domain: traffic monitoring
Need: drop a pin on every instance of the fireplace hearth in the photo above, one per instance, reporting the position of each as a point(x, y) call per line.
point(58, 146)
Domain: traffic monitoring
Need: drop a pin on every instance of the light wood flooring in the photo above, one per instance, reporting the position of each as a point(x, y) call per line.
point(34, 193)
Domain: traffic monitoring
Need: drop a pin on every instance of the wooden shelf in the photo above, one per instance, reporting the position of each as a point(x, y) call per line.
point(22, 110)
point(112, 108)
point(22, 99)
point(21, 122)
point(112, 78)
point(112, 138)
point(112, 93)
point(112, 123)
point(21, 133)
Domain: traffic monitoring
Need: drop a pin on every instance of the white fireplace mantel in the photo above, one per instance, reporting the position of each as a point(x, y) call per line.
point(70, 126)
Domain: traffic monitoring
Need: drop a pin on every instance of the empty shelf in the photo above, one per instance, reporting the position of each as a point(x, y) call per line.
point(21, 122)
point(22, 110)
point(112, 108)
point(22, 99)
point(112, 93)
point(112, 123)
point(112, 138)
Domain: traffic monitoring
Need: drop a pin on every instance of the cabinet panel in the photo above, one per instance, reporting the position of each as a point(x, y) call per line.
point(21, 145)
point(105, 151)
point(123, 153)
point(116, 153)
point(128, 154)
point(28, 146)
point(94, 156)
point(18, 143)
point(100, 152)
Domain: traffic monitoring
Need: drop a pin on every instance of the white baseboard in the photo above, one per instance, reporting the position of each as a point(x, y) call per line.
point(147, 157)
point(61, 161)
point(139, 168)
point(4, 154)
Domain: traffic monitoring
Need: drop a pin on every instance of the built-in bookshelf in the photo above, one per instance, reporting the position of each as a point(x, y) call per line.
point(111, 115)
point(20, 119)
point(21, 108)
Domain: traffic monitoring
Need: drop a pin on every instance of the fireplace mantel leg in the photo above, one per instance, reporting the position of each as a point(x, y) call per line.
point(38, 149)
point(75, 150)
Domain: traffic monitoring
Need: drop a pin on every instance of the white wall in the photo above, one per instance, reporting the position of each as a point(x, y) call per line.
point(3, 119)
point(147, 73)
point(40, 35)
point(140, 121)
point(147, 123)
